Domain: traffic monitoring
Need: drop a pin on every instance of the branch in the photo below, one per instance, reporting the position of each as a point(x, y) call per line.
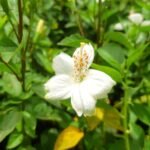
point(10, 68)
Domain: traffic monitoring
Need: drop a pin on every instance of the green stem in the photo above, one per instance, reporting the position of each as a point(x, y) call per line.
point(80, 25)
point(10, 68)
point(20, 25)
point(23, 51)
point(125, 107)
point(125, 119)
point(78, 19)
point(99, 23)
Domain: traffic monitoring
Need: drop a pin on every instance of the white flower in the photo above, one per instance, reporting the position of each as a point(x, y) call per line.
point(75, 80)
point(102, 1)
point(118, 27)
point(146, 23)
point(136, 18)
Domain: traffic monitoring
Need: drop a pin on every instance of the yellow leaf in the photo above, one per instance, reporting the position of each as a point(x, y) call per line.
point(112, 119)
point(68, 138)
point(93, 121)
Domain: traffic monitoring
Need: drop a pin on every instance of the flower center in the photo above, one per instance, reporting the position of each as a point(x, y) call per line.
point(80, 64)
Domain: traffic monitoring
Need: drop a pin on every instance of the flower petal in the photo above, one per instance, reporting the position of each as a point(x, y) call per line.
point(82, 102)
point(58, 87)
point(136, 18)
point(63, 64)
point(85, 49)
point(98, 84)
point(76, 100)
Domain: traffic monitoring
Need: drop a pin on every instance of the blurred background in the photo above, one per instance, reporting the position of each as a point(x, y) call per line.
point(33, 32)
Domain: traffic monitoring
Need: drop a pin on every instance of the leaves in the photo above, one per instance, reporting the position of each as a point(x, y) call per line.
point(11, 84)
point(27, 120)
point(108, 58)
point(8, 123)
point(112, 119)
point(5, 7)
point(73, 41)
point(68, 138)
point(14, 140)
point(93, 121)
point(30, 123)
point(120, 38)
point(135, 55)
point(142, 112)
point(7, 45)
point(116, 75)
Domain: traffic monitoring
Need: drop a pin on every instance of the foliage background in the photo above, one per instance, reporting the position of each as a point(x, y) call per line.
point(32, 33)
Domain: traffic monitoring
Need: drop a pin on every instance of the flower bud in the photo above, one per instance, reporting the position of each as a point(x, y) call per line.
point(136, 18)
point(118, 27)
point(40, 26)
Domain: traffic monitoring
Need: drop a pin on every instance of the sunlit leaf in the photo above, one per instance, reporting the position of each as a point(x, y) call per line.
point(112, 119)
point(93, 121)
point(14, 140)
point(68, 138)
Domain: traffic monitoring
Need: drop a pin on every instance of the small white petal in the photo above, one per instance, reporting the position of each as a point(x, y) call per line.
point(97, 1)
point(63, 64)
point(82, 102)
point(88, 49)
point(118, 27)
point(136, 18)
point(58, 87)
point(146, 23)
point(98, 84)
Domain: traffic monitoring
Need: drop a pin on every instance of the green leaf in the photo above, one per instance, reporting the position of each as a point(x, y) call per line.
point(135, 55)
point(137, 134)
point(116, 51)
point(110, 71)
point(73, 40)
point(145, 28)
point(147, 143)
point(5, 7)
point(39, 90)
point(108, 58)
point(15, 139)
point(7, 48)
point(30, 123)
point(109, 13)
point(119, 38)
point(3, 68)
point(44, 112)
point(11, 84)
point(44, 62)
point(119, 143)
point(7, 44)
point(8, 123)
point(142, 112)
